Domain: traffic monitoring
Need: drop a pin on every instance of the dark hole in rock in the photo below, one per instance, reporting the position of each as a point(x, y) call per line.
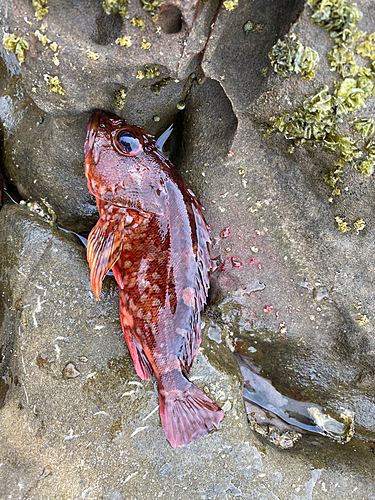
point(108, 28)
point(170, 19)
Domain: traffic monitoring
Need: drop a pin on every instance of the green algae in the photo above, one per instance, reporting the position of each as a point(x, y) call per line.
point(138, 21)
point(338, 17)
point(317, 121)
point(151, 71)
point(116, 7)
point(151, 5)
point(16, 44)
point(289, 57)
point(40, 8)
point(156, 87)
point(53, 83)
point(119, 97)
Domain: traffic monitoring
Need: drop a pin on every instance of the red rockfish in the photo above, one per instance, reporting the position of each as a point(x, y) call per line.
point(151, 233)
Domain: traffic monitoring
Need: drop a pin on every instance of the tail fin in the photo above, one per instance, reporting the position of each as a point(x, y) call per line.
point(187, 414)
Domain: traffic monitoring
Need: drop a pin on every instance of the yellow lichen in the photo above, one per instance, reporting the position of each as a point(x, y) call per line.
point(53, 84)
point(231, 4)
point(16, 44)
point(140, 75)
point(343, 226)
point(125, 41)
point(40, 8)
point(92, 55)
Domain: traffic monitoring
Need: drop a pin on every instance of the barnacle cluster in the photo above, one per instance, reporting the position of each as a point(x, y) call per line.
point(40, 8)
point(288, 57)
point(116, 7)
point(16, 44)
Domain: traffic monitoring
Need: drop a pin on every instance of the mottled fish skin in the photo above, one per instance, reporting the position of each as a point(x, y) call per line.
point(152, 234)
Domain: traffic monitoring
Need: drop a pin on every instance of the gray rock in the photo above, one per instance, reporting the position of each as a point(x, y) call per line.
point(74, 417)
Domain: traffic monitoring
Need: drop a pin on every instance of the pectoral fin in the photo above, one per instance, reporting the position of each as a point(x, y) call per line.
point(103, 250)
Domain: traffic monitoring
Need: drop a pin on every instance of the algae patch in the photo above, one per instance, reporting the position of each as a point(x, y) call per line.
point(16, 44)
point(53, 84)
point(289, 57)
point(116, 7)
point(40, 7)
point(125, 41)
point(119, 97)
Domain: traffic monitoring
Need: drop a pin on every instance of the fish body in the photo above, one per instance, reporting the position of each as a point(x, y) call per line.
point(152, 234)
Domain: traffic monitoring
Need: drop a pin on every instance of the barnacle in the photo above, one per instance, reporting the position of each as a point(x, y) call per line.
point(287, 57)
point(40, 7)
point(16, 44)
point(151, 5)
point(339, 17)
point(54, 85)
point(125, 41)
point(116, 7)
point(151, 71)
point(249, 26)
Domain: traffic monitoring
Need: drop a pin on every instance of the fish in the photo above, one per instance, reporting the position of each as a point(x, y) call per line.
point(152, 234)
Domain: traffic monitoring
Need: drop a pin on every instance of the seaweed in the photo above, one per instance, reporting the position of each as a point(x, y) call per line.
point(145, 45)
point(151, 71)
point(53, 84)
point(230, 4)
point(339, 17)
point(151, 5)
point(138, 21)
point(288, 57)
point(15, 44)
point(116, 7)
point(40, 8)
point(119, 97)
point(125, 41)
point(156, 87)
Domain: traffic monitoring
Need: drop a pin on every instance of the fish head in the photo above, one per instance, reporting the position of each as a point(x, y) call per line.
point(123, 166)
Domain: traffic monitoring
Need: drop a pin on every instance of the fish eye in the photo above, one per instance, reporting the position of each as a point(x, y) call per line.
point(129, 142)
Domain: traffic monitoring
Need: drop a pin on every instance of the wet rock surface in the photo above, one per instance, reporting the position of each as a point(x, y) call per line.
point(289, 289)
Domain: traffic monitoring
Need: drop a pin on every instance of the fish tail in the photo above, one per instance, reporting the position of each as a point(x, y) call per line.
point(187, 414)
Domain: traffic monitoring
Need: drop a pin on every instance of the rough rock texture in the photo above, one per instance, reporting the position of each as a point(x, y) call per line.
point(75, 420)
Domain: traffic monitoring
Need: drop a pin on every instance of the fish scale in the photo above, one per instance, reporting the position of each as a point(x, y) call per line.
point(152, 234)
